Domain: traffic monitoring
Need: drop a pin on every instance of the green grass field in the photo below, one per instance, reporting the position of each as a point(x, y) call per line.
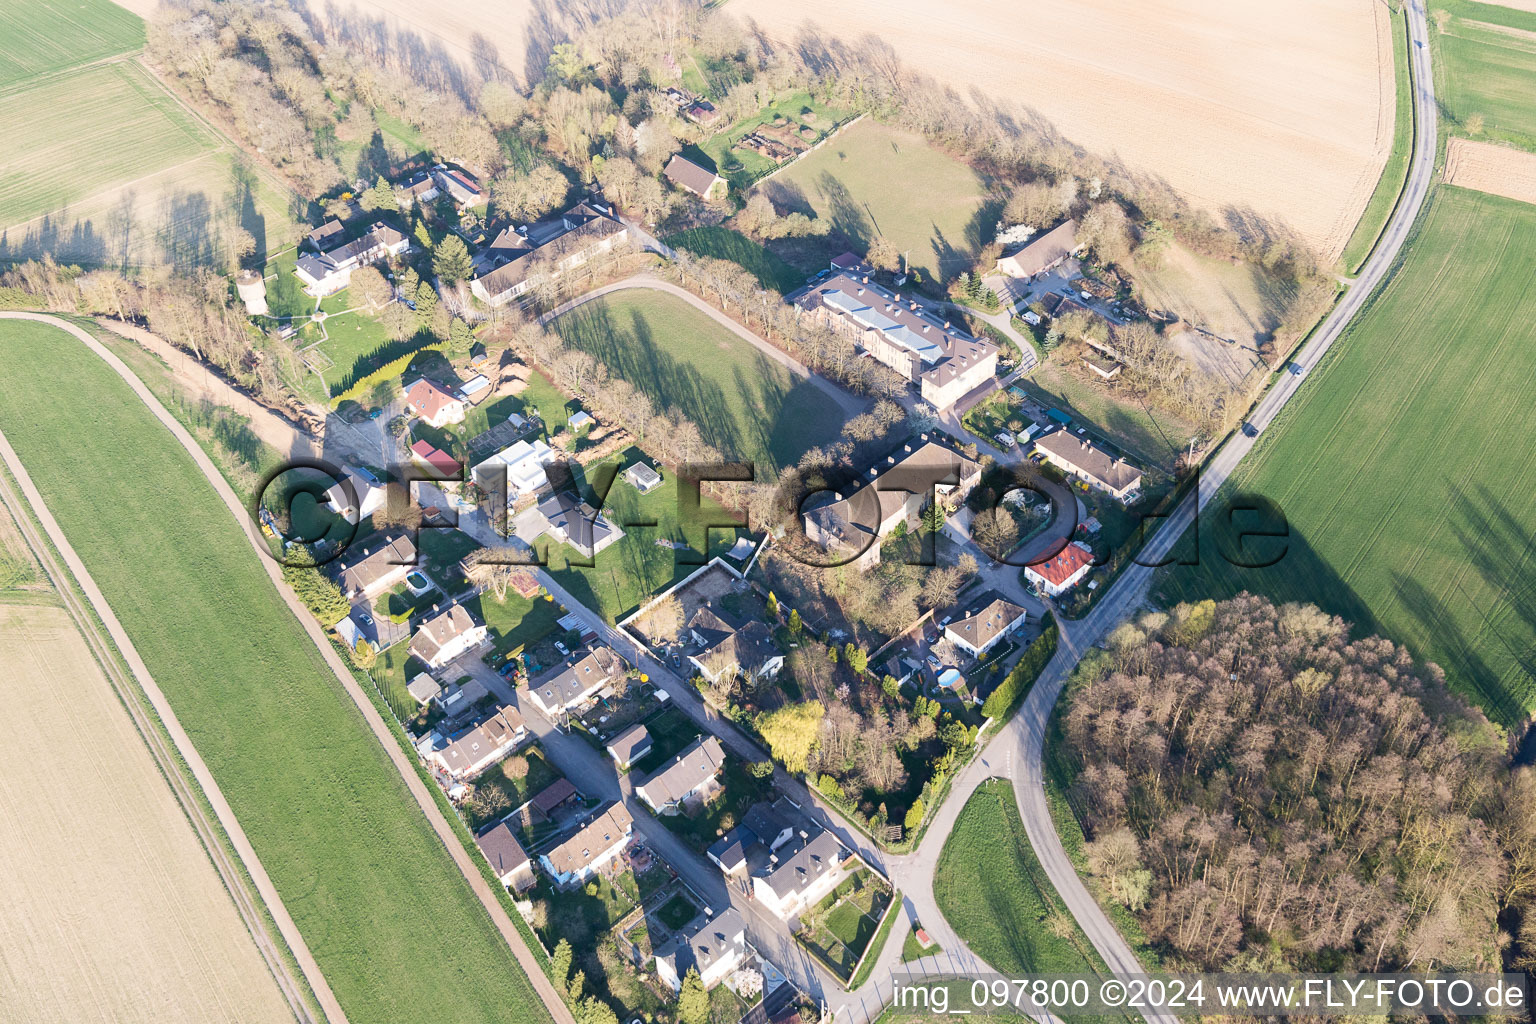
point(724, 244)
point(1395, 171)
point(1404, 466)
point(43, 36)
point(369, 884)
point(76, 134)
point(872, 180)
point(1485, 63)
point(746, 405)
point(1149, 435)
point(995, 894)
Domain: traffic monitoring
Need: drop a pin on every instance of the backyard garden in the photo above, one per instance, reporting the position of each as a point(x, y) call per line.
point(839, 930)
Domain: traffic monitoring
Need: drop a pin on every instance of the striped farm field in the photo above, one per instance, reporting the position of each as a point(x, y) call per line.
point(1405, 465)
point(1485, 65)
point(391, 921)
point(43, 36)
point(72, 136)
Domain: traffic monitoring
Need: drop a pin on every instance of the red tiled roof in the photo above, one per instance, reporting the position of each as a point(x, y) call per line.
point(1058, 569)
point(436, 458)
point(428, 398)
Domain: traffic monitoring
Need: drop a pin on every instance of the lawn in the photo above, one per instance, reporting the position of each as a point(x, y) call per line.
point(518, 791)
point(1485, 63)
point(911, 949)
point(841, 925)
point(360, 870)
point(1149, 436)
point(49, 35)
point(76, 134)
point(724, 244)
point(872, 179)
point(670, 732)
point(1395, 171)
point(625, 575)
point(746, 405)
point(741, 167)
point(996, 896)
point(516, 623)
point(1404, 465)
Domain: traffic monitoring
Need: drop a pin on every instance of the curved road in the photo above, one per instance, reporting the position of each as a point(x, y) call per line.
point(1024, 737)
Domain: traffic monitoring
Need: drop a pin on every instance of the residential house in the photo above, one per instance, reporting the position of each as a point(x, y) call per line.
point(991, 617)
point(727, 651)
point(435, 404)
point(506, 856)
point(1061, 571)
point(692, 773)
point(446, 636)
point(523, 256)
point(714, 946)
point(629, 746)
point(566, 687)
point(460, 699)
point(763, 829)
point(327, 236)
point(574, 522)
point(460, 185)
point(903, 332)
point(420, 187)
point(803, 875)
point(642, 477)
point(1076, 455)
point(377, 565)
point(702, 112)
point(358, 495)
point(1041, 254)
point(696, 178)
point(891, 494)
point(594, 845)
point(482, 746)
point(331, 271)
point(520, 468)
point(445, 466)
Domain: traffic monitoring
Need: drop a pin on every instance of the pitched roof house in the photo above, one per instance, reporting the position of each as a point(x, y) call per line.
point(569, 686)
point(803, 875)
point(1041, 254)
point(714, 946)
point(482, 746)
point(596, 843)
point(524, 255)
point(991, 618)
point(356, 497)
point(446, 636)
point(433, 403)
point(459, 184)
point(576, 523)
point(437, 460)
point(696, 178)
point(1062, 570)
point(691, 773)
point(1084, 459)
point(892, 493)
point(727, 651)
point(375, 566)
point(331, 271)
point(629, 746)
point(506, 855)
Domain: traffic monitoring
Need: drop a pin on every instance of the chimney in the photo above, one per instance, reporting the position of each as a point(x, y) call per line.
point(866, 279)
point(898, 296)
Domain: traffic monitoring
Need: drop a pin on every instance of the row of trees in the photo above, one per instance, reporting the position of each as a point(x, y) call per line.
point(1267, 793)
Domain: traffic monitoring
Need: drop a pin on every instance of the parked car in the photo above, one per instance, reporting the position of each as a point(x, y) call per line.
point(564, 651)
point(1296, 369)
point(509, 670)
point(677, 660)
point(1249, 430)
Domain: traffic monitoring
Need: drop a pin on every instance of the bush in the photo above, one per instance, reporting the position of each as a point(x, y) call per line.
point(915, 815)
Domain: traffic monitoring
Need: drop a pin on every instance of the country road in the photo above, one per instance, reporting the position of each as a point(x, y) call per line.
point(1026, 732)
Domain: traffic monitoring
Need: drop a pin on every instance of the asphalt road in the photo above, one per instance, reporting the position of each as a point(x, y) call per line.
point(1025, 734)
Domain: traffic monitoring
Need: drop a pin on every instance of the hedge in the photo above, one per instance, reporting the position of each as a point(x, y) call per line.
point(393, 368)
point(1005, 700)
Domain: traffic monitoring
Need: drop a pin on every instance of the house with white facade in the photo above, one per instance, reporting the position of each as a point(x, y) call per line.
point(448, 635)
point(990, 618)
point(499, 845)
point(358, 496)
point(521, 467)
point(567, 687)
point(803, 873)
point(594, 845)
point(375, 566)
point(435, 404)
point(331, 271)
point(1062, 571)
point(484, 745)
point(691, 774)
point(714, 946)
